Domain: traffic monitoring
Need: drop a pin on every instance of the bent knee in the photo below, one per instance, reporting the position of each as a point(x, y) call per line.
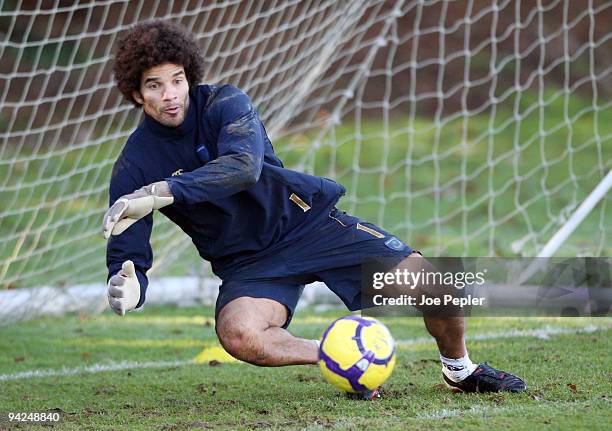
point(242, 342)
point(241, 326)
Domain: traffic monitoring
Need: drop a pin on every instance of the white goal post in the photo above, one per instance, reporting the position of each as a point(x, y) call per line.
point(467, 128)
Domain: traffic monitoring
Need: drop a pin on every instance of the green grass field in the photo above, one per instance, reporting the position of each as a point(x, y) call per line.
point(568, 371)
point(156, 385)
point(481, 184)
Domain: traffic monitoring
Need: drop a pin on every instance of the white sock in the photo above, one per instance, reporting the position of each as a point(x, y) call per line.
point(317, 342)
point(457, 369)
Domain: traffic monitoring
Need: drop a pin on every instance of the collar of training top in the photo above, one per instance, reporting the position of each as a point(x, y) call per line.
point(184, 128)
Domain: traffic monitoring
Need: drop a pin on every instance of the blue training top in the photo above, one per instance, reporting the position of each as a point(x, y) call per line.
point(232, 195)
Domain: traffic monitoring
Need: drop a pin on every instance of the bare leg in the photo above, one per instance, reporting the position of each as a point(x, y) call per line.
point(449, 331)
point(250, 329)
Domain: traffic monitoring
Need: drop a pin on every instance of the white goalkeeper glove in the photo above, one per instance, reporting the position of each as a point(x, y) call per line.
point(124, 289)
point(128, 209)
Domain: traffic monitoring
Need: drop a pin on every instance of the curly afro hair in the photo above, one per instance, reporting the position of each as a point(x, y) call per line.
point(150, 44)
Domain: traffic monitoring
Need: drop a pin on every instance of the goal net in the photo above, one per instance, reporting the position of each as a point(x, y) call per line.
point(467, 128)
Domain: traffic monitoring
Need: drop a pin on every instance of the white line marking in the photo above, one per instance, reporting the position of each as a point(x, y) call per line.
point(542, 333)
point(92, 369)
point(484, 409)
point(451, 413)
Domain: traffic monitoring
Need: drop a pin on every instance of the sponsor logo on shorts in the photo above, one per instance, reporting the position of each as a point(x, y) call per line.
point(395, 244)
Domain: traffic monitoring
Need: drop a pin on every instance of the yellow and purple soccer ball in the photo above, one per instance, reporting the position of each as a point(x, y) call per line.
point(356, 354)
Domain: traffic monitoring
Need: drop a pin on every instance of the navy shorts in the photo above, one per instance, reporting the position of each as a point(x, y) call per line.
point(333, 254)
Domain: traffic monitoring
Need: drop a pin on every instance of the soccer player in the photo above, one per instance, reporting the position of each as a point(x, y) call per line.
point(203, 159)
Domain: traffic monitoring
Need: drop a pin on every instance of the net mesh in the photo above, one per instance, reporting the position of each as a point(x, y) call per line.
point(466, 128)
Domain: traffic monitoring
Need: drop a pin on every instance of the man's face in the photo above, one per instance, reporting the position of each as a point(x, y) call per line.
point(164, 94)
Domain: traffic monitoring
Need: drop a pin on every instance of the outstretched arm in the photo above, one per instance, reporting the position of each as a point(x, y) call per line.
point(240, 147)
